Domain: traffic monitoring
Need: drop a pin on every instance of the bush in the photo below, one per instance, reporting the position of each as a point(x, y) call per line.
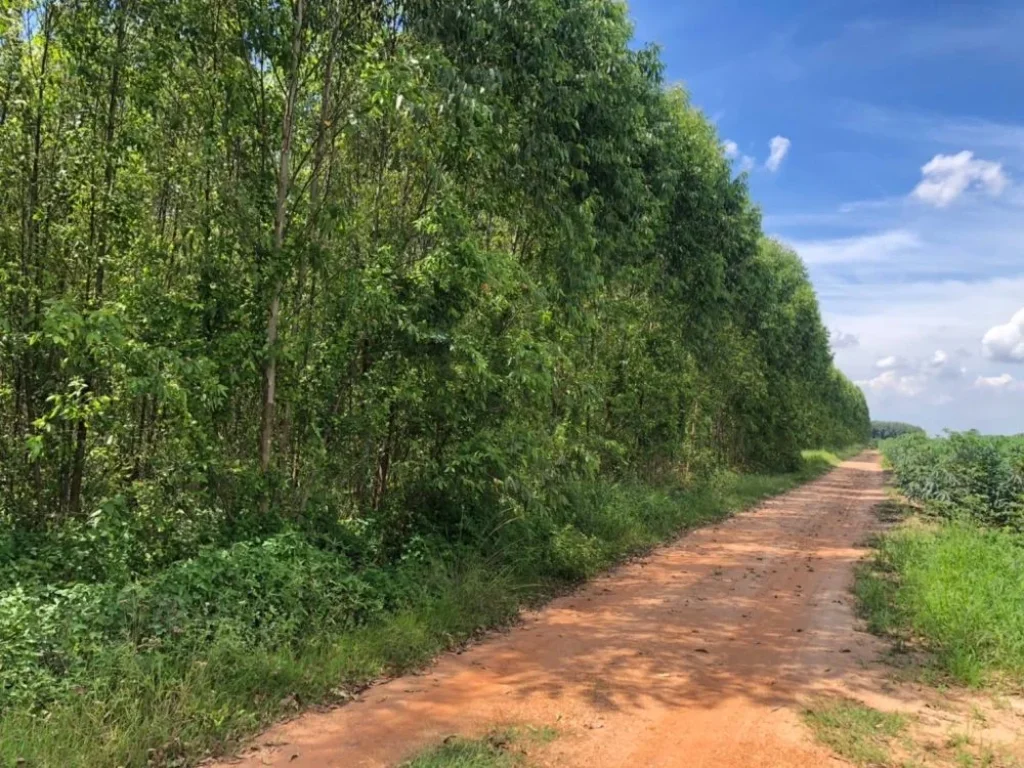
point(266, 594)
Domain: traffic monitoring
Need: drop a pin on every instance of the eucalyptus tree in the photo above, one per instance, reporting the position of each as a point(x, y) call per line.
point(409, 264)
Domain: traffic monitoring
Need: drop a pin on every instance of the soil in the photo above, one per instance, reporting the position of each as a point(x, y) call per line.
point(702, 655)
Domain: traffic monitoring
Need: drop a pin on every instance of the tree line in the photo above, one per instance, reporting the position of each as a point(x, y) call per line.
point(884, 430)
point(400, 264)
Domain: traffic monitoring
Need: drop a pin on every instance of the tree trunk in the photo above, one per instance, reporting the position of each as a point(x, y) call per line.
point(280, 220)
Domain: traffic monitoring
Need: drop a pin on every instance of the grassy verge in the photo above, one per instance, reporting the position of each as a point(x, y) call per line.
point(852, 730)
point(955, 590)
point(501, 749)
point(193, 689)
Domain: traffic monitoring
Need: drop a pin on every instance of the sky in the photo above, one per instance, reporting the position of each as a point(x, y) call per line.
point(884, 142)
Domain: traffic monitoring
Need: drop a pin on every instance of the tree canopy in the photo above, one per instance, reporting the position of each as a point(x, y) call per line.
point(406, 263)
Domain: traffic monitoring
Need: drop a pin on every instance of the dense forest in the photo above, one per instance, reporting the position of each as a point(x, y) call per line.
point(368, 275)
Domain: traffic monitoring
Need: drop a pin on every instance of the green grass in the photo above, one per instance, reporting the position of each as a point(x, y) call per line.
point(956, 590)
point(852, 730)
point(164, 707)
point(501, 749)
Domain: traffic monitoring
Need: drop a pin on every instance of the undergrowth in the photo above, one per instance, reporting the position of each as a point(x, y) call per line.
point(163, 670)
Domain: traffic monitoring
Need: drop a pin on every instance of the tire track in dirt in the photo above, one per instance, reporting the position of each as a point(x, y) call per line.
point(699, 655)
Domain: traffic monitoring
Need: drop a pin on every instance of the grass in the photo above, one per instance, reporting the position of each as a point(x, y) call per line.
point(852, 730)
point(955, 590)
point(500, 749)
point(171, 709)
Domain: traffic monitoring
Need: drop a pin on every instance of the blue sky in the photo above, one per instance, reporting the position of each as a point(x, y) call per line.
point(896, 171)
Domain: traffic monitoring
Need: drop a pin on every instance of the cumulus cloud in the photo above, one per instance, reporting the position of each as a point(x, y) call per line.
point(747, 163)
point(890, 362)
point(730, 149)
point(1003, 383)
point(891, 380)
point(1006, 342)
point(779, 146)
point(911, 378)
point(944, 367)
point(947, 177)
point(842, 340)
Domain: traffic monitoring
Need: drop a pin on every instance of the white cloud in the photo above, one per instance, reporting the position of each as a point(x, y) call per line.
point(730, 149)
point(1006, 342)
point(942, 366)
point(747, 163)
point(1003, 383)
point(906, 374)
point(779, 146)
point(947, 177)
point(842, 340)
point(880, 247)
point(892, 381)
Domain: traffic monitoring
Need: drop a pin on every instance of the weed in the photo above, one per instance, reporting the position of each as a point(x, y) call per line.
point(956, 590)
point(499, 749)
point(857, 732)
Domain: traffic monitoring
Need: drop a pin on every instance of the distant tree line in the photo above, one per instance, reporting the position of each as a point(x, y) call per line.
point(883, 430)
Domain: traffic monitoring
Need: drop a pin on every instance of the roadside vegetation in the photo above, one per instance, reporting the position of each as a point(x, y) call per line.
point(233, 639)
point(862, 735)
point(950, 578)
point(332, 331)
point(507, 748)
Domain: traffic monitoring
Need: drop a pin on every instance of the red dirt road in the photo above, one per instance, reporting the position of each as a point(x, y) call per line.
point(699, 656)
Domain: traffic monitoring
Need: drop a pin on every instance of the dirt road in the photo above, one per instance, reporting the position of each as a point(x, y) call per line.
point(698, 656)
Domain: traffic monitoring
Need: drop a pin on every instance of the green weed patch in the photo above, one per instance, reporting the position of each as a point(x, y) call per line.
point(956, 590)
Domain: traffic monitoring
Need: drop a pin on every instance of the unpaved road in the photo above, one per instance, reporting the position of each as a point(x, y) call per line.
point(700, 655)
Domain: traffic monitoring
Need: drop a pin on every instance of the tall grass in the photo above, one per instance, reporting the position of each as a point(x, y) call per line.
point(169, 702)
point(955, 589)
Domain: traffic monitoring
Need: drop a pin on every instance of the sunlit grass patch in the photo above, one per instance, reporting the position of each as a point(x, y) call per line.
point(500, 749)
point(956, 591)
point(855, 731)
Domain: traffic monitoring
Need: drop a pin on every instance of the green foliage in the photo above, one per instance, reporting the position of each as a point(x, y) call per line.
point(962, 475)
point(958, 589)
point(498, 256)
point(884, 430)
